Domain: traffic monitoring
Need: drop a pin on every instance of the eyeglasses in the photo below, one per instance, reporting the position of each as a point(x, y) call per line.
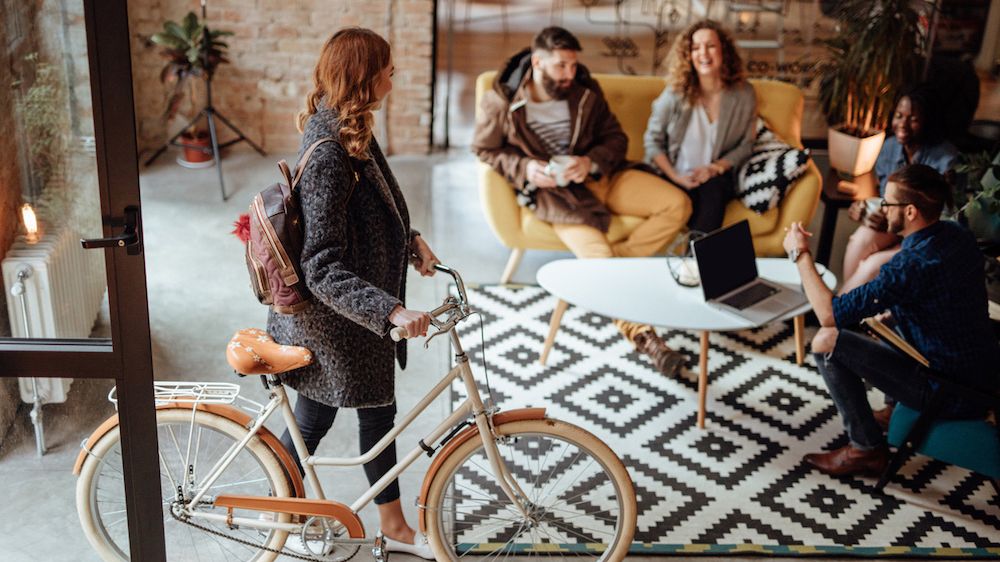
point(883, 204)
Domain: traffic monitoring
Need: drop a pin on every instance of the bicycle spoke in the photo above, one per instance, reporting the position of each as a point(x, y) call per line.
point(184, 447)
point(577, 515)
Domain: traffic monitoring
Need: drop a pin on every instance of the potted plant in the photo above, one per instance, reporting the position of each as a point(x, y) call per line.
point(978, 197)
point(876, 52)
point(188, 56)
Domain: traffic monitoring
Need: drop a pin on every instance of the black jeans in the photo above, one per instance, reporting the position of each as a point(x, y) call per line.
point(858, 358)
point(708, 202)
point(315, 419)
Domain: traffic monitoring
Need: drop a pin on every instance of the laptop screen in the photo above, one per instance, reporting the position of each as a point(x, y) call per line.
point(725, 259)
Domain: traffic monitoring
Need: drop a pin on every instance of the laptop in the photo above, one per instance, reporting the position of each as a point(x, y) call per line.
point(729, 280)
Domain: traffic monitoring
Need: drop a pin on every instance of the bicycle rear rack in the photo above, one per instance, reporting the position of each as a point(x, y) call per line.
point(189, 392)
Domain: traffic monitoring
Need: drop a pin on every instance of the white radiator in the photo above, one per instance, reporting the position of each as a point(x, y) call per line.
point(62, 286)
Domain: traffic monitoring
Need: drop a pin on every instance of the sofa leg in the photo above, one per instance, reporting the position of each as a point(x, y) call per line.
point(512, 263)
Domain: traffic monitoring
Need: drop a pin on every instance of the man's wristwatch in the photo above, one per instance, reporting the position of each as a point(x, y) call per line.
point(794, 255)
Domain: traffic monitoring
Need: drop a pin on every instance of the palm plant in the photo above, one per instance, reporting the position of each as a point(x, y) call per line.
point(182, 45)
point(876, 53)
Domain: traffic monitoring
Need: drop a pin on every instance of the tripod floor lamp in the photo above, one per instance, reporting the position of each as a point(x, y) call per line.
point(211, 115)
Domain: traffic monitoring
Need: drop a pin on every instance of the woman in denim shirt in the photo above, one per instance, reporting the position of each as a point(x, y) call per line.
point(917, 139)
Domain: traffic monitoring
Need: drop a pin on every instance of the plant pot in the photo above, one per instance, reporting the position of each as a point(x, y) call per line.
point(197, 148)
point(852, 155)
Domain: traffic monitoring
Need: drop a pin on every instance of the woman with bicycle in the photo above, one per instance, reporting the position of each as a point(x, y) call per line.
point(357, 243)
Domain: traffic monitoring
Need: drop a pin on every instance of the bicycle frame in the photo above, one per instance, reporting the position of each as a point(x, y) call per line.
point(473, 406)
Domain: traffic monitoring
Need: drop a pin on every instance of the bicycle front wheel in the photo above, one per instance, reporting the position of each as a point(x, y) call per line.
point(579, 500)
point(188, 451)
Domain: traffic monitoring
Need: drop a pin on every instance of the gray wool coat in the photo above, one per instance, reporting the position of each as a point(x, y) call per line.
point(354, 259)
point(671, 115)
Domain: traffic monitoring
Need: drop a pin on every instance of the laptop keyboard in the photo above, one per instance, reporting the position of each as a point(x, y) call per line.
point(750, 296)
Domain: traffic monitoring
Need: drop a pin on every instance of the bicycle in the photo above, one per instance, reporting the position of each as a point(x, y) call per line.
point(508, 484)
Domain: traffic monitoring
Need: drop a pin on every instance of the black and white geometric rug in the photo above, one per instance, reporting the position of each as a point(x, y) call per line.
point(740, 484)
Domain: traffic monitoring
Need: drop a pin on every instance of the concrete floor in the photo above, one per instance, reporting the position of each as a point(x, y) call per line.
point(187, 231)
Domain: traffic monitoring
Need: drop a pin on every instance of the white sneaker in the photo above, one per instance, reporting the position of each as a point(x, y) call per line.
point(295, 544)
point(420, 547)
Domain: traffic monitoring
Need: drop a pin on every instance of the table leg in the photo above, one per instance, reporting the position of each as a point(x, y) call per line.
point(557, 315)
point(800, 338)
point(702, 379)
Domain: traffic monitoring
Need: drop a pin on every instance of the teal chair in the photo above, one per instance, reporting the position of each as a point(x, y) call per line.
point(970, 444)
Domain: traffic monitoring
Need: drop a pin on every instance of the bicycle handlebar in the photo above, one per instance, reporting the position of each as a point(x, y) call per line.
point(451, 303)
point(398, 333)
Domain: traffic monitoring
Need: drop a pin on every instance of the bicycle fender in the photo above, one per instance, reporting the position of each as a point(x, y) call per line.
point(500, 418)
point(228, 412)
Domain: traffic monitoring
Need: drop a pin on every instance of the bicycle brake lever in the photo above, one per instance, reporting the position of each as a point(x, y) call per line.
point(427, 342)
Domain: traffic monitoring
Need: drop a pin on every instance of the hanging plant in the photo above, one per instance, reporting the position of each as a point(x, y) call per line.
point(42, 112)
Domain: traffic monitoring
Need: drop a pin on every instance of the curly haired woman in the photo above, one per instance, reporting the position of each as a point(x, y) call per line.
point(701, 128)
point(357, 243)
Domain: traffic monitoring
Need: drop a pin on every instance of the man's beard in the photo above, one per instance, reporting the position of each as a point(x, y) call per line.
point(553, 89)
point(895, 227)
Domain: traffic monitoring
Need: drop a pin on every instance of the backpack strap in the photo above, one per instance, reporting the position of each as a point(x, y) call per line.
point(301, 166)
point(285, 172)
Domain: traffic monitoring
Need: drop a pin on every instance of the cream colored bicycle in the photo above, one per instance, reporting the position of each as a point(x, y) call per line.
point(501, 484)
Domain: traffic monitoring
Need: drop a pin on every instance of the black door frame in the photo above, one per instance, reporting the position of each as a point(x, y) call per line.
point(127, 356)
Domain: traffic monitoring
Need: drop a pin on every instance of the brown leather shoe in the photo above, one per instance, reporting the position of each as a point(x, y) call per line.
point(883, 416)
point(847, 460)
point(666, 360)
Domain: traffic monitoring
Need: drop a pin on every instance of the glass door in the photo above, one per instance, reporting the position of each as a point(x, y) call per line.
point(76, 319)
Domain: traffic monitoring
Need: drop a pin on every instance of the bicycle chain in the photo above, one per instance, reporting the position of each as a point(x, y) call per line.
point(187, 521)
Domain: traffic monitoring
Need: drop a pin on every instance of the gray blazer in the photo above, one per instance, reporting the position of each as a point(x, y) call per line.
point(354, 259)
point(672, 113)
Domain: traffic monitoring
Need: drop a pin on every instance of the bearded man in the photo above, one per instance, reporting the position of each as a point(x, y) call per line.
point(544, 104)
point(935, 290)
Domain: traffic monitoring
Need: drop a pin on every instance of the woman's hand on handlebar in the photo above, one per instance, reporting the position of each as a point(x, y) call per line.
point(422, 258)
point(414, 322)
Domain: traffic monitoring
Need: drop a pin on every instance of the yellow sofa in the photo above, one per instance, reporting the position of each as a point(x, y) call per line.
point(631, 99)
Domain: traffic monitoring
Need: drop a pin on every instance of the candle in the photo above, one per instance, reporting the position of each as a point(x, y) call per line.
point(30, 223)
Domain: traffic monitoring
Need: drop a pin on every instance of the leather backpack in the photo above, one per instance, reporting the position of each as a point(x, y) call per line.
point(273, 234)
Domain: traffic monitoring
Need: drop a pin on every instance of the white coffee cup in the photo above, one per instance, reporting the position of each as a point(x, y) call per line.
point(873, 205)
point(557, 168)
point(687, 272)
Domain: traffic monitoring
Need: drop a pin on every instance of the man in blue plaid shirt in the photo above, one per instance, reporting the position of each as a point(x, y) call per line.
point(935, 290)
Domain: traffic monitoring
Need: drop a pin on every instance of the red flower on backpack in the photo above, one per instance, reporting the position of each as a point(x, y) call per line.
point(241, 227)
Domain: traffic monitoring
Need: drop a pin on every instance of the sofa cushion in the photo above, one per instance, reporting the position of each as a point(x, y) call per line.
point(760, 223)
point(771, 169)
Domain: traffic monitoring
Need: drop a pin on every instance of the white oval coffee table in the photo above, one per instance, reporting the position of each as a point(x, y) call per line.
point(642, 290)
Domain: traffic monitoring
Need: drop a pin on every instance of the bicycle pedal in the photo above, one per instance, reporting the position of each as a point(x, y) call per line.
point(379, 551)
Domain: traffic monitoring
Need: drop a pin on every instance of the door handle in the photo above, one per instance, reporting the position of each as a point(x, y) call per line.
point(128, 239)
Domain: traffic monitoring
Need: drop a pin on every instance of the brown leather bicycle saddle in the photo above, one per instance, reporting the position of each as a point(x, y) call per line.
point(254, 352)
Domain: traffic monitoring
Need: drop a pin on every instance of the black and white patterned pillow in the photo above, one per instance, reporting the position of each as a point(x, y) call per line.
point(772, 167)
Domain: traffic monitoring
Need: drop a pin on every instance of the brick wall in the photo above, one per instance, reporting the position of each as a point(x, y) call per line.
point(272, 56)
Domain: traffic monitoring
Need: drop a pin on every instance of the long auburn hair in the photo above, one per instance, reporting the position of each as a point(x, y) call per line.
point(345, 79)
point(681, 75)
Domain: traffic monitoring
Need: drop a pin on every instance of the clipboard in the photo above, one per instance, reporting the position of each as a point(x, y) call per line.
point(889, 336)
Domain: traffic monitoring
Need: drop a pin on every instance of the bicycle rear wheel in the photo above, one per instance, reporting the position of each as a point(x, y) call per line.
point(580, 498)
point(187, 453)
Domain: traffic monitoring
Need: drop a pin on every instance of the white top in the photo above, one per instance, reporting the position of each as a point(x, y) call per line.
point(550, 121)
point(696, 148)
point(642, 290)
